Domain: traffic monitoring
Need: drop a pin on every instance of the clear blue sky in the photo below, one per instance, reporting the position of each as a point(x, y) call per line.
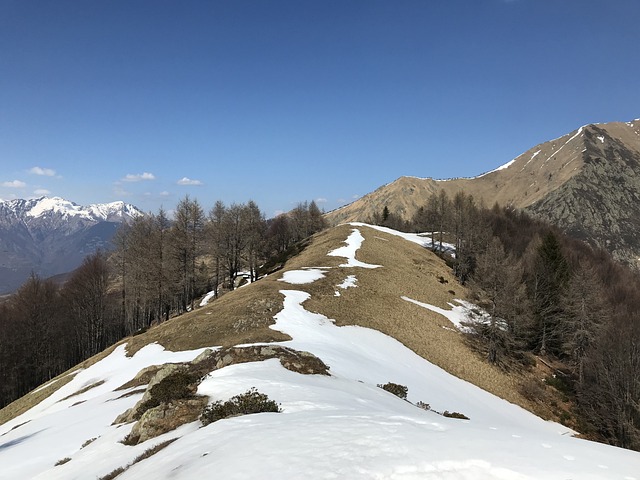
point(284, 101)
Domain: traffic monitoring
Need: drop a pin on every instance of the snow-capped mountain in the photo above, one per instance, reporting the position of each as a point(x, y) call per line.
point(52, 235)
point(56, 207)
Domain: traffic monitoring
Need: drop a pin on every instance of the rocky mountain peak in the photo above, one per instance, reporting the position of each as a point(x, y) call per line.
point(586, 182)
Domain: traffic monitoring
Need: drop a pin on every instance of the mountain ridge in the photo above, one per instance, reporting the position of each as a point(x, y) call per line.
point(554, 180)
point(51, 235)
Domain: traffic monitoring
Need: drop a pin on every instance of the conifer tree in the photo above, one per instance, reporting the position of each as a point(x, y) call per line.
point(550, 279)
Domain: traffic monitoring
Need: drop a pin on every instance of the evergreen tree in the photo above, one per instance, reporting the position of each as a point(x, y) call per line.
point(550, 279)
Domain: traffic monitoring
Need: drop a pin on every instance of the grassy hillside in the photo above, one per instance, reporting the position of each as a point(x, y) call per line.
point(407, 269)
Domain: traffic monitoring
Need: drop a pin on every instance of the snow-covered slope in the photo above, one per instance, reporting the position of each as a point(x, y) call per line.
point(337, 426)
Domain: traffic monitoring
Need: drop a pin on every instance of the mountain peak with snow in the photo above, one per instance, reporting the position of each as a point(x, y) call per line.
point(49, 206)
point(52, 235)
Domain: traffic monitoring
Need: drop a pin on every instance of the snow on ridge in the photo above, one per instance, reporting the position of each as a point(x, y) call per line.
point(353, 243)
point(501, 167)
point(420, 238)
point(566, 143)
point(42, 206)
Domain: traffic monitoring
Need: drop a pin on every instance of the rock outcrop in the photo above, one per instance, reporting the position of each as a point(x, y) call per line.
point(170, 398)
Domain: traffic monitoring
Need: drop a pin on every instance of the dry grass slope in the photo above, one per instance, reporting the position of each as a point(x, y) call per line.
point(244, 316)
point(532, 176)
point(412, 271)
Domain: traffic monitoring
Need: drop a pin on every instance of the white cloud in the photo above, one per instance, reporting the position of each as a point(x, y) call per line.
point(165, 194)
point(14, 184)
point(41, 191)
point(138, 177)
point(188, 181)
point(321, 200)
point(46, 172)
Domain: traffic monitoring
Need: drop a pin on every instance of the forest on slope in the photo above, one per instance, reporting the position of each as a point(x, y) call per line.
point(548, 295)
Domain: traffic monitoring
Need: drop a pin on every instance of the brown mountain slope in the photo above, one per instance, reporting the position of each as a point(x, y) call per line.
point(586, 182)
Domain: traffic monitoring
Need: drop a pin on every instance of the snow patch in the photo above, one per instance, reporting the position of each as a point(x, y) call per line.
point(421, 239)
point(349, 282)
point(299, 277)
point(353, 243)
point(207, 298)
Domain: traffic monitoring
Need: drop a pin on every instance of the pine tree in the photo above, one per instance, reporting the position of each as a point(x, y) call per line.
point(550, 279)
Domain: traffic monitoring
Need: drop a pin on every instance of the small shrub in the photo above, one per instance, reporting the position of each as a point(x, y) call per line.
point(62, 461)
point(398, 390)
point(561, 383)
point(526, 359)
point(423, 406)
point(140, 331)
point(175, 386)
point(153, 450)
point(113, 474)
point(449, 414)
point(565, 417)
point(89, 442)
point(532, 390)
point(246, 403)
point(129, 440)
point(83, 390)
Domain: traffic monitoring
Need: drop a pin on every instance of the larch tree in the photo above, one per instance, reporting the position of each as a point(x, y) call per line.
point(583, 311)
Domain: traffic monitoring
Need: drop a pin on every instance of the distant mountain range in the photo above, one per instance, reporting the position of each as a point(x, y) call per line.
point(49, 236)
point(587, 182)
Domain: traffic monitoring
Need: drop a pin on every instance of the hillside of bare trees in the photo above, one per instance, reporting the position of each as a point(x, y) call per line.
point(550, 296)
point(157, 268)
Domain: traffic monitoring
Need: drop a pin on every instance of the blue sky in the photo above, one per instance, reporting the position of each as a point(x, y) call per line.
point(285, 101)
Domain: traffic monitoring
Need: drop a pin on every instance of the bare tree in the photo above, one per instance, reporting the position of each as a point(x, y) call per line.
point(87, 297)
point(582, 313)
point(254, 228)
point(186, 241)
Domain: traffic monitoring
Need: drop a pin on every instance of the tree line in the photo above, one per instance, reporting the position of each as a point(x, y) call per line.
point(158, 267)
point(549, 295)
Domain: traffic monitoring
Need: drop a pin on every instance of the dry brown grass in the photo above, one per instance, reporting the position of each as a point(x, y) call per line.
point(521, 185)
point(412, 271)
point(241, 316)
